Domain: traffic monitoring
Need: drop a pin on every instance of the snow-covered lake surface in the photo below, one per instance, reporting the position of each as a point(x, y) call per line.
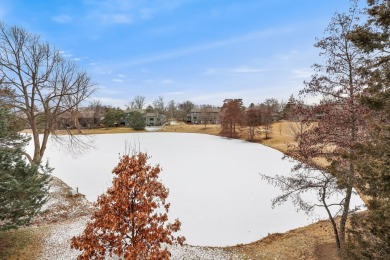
point(214, 183)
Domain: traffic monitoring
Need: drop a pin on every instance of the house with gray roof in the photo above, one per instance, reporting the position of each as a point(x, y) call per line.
point(152, 117)
point(199, 115)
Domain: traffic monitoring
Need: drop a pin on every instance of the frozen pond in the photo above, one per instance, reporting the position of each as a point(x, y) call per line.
point(214, 183)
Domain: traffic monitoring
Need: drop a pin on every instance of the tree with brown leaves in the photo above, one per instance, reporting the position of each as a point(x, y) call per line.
point(268, 109)
point(131, 218)
point(332, 139)
point(252, 120)
point(232, 115)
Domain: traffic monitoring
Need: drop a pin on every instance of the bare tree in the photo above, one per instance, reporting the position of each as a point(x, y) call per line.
point(252, 120)
point(205, 116)
point(171, 109)
point(43, 85)
point(295, 129)
point(72, 102)
point(306, 178)
point(300, 121)
point(138, 102)
point(185, 109)
point(98, 111)
point(335, 136)
point(269, 108)
point(159, 105)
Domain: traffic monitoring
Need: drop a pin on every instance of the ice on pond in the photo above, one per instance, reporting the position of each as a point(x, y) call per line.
point(214, 183)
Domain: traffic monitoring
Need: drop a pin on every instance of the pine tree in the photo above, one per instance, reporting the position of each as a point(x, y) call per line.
point(112, 117)
point(287, 110)
point(131, 218)
point(23, 188)
point(370, 232)
point(136, 120)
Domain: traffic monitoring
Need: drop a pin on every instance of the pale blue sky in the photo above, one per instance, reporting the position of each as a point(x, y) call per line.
point(198, 50)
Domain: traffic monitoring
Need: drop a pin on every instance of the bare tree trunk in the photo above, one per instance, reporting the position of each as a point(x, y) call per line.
point(41, 81)
point(344, 217)
point(333, 222)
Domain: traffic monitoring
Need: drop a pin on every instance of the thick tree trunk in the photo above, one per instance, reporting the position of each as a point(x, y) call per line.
point(344, 216)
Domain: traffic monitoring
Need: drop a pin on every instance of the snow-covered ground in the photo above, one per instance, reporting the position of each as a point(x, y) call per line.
point(152, 128)
point(214, 182)
point(57, 246)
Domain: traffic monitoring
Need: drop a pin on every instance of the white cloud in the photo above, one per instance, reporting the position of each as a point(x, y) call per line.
point(111, 18)
point(208, 46)
point(62, 18)
point(127, 12)
point(302, 73)
point(100, 68)
point(162, 30)
point(238, 70)
point(288, 56)
point(2, 12)
point(118, 80)
point(210, 71)
point(121, 78)
point(247, 70)
point(108, 91)
point(121, 18)
point(175, 93)
point(65, 54)
point(167, 81)
point(159, 81)
point(69, 55)
point(144, 71)
point(146, 13)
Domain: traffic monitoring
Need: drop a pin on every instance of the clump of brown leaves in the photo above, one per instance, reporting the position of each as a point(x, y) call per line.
point(131, 217)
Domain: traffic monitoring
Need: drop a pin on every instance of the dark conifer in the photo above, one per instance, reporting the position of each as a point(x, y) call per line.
point(23, 188)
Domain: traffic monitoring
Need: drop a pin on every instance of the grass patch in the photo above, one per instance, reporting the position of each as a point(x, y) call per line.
point(23, 243)
point(190, 128)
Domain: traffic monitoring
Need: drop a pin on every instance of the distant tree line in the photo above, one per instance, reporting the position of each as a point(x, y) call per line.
point(234, 115)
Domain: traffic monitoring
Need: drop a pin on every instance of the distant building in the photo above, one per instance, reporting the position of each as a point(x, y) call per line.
point(198, 116)
point(84, 118)
point(152, 118)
